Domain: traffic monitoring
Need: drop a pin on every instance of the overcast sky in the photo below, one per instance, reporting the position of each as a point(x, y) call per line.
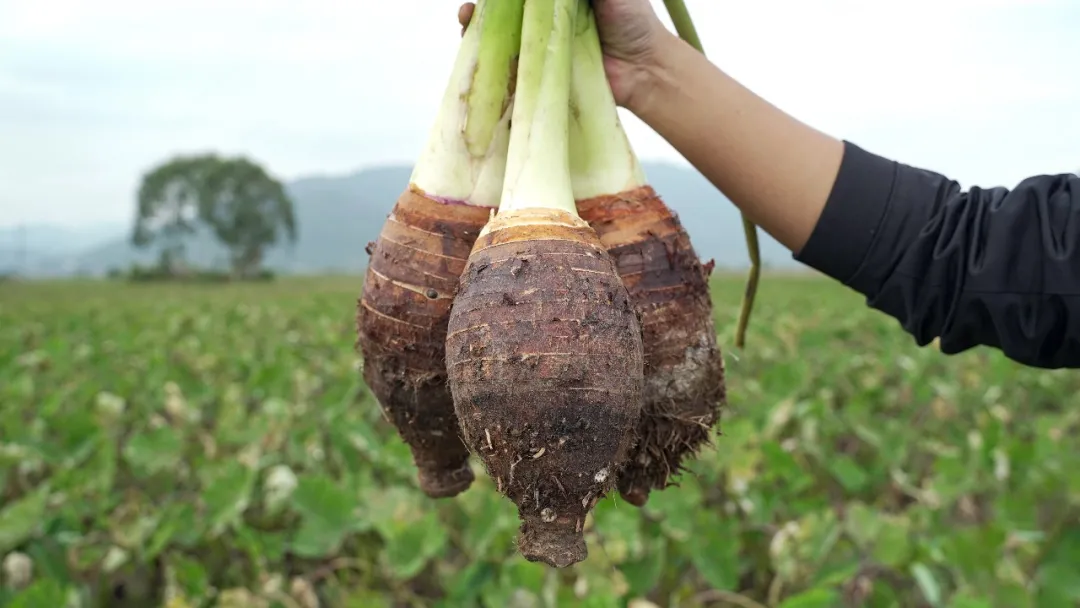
point(94, 92)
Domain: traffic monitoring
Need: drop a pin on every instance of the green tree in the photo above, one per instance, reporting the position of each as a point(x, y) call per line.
point(247, 209)
point(167, 207)
point(242, 205)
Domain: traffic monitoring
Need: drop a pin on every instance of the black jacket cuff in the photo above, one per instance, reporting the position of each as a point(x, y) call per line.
point(852, 216)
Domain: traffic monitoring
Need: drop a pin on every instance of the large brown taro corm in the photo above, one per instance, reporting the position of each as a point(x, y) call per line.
point(543, 351)
point(684, 369)
point(667, 284)
point(415, 264)
point(411, 281)
point(545, 363)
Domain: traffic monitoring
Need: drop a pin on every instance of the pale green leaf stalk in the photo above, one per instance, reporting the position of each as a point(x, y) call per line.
point(465, 156)
point(602, 161)
point(538, 164)
point(680, 17)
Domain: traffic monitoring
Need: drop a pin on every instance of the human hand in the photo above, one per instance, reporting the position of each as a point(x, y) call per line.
point(630, 32)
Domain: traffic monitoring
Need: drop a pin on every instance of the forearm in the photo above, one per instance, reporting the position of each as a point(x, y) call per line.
point(989, 267)
point(777, 170)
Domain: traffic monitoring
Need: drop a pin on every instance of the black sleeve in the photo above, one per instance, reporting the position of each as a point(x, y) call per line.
point(993, 266)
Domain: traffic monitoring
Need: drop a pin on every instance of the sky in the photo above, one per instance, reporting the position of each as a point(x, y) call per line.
point(95, 92)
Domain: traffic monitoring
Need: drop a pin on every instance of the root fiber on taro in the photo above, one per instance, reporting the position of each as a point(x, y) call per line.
point(412, 276)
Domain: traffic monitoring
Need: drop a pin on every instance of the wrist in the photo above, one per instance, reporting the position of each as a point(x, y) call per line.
point(654, 77)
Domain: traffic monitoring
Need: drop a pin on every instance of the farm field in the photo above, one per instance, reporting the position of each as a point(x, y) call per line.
point(186, 445)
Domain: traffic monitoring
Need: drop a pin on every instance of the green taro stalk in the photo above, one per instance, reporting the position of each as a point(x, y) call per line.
point(684, 26)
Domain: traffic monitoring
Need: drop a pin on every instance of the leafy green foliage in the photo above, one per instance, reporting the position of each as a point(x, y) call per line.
point(191, 445)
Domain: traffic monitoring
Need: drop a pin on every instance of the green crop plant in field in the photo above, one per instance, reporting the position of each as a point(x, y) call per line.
point(214, 445)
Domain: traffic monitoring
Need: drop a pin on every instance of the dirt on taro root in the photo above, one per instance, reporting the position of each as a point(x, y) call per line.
point(684, 368)
point(545, 363)
point(402, 315)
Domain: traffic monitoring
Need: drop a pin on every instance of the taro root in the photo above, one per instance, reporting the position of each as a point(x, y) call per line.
point(684, 370)
point(668, 286)
point(544, 353)
point(412, 276)
point(403, 313)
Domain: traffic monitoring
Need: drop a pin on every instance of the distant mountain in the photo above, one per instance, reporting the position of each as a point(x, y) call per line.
point(45, 249)
point(339, 215)
point(54, 240)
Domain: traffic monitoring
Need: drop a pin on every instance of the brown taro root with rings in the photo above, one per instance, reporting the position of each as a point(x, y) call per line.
point(413, 272)
point(544, 352)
